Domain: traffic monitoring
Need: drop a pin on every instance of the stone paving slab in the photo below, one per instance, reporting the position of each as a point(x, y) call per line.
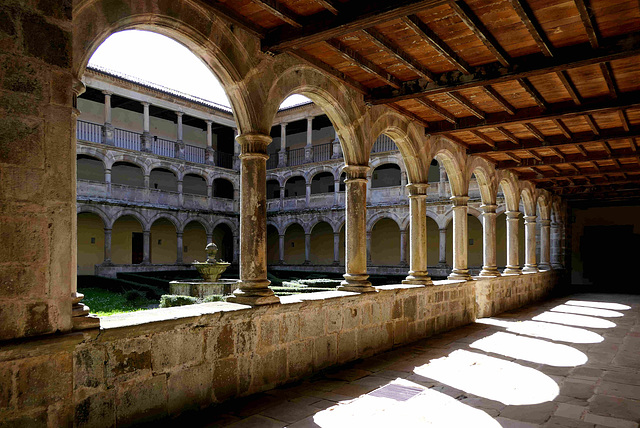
point(591, 381)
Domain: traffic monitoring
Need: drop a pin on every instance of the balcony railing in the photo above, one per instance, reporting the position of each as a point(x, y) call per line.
point(322, 152)
point(272, 162)
point(295, 157)
point(384, 143)
point(92, 132)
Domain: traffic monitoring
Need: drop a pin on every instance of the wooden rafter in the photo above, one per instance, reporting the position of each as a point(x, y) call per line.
point(436, 108)
point(592, 159)
point(509, 135)
point(276, 8)
point(623, 119)
point(533, 92)
point(495, 96)
point(588, 21)
point(529, 20)
point(484, 138)
point(514, 157)
point(592, 124)
point(562, 127)
point(235, 18)
point(356, 58)
point(569, 86)
point(534, 131)
point(583, 173)
point(329, 70)
point(464, 102)
point(581, 149)
point(607, 74)
point(331, 5)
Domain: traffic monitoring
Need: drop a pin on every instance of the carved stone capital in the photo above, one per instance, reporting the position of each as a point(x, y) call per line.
point(488, 208)
point(356, 172)
point(417, 189)
point(459, 201)
point(253, 145)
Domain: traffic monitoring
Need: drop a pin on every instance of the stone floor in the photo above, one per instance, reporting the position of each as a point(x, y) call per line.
point(567, 362)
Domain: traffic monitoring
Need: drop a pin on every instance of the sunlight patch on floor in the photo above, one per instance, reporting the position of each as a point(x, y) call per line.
point(574, 320)
point(545, 330)
point(601, 305)
point(530, 349)
point(582, 310)
point(492, 378)
point(402, 403)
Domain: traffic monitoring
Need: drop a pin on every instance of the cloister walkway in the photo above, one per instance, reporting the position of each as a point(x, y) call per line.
point(566, 362)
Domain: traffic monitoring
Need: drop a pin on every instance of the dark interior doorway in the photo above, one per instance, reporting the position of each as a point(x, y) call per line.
point(137, 248)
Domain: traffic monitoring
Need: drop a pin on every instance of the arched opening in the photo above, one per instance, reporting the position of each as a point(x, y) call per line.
point(294, 245)
point(385, 243)
point(474, 231)
point(194, 242)
point(387, 175)
point(322, 183)
point(164, 242)
point(433, 176)
point(127, 241)
point(501, 241)
point(222, 188)
point(295, 187)
point(90, 243)
point(433, 242)
point(89, 168)
point(195, 184)
point(127, 174)
point(321, 244)
point(223, 238)
point(273, 245)
point(163, 179)
point(273, 189)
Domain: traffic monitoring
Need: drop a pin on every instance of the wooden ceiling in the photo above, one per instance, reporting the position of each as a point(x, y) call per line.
point(549, 89)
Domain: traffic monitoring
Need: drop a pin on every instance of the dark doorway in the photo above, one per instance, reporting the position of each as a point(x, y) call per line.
point(137, 248)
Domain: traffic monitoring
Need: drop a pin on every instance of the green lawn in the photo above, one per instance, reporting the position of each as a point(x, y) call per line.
point(103, 302)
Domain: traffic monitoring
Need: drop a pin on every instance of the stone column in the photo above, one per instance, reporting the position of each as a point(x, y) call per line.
point(108, 131)
point(355, 277)
point(282, 154)
point(146, 247)
point(442, 248)
point(336, 148)
point(368, 248)
point(209, 238)
point(180, 146)
point(308, 149)
point(254, 285)
point(336, 248)
point(556, 263)
point(513, 262)
point(307, 194)
point(107, 246)
point(179, 258)
point(281, 248)
point(442, 186)
point(307, 248)
point(147, 140)
point(403, 247)
point(460, 238)
point(530, 265)
point(180, 193)
point(236, 152)
point(545, 248)
point(418, 235)
point(107, 180)
point(489, 260)
point(336, 191)
point(210, 153)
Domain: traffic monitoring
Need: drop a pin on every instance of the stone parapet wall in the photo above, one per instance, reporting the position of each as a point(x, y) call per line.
point(152, 364)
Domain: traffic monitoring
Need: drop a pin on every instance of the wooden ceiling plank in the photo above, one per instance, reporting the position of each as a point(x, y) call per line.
point(557, 153)
point(278, 9)
point(535, 131)
point(392, 48)
point(235, 18)
point(409, 114)
point(362, 62)
point(473, 22)
point(509, 135)
point(592, 124)
point(563, 128)
point(569, 86)
point(581, 149)
point(457, 141)
point(531, 90)
point(436, 108)
point(529, 20)
point(607, 74)
point(514, 157)
point(464, 102)
point(534, 155)
point(329, 70)
point(331, 5)
point(484, 138)
point(574, 174)
point(588, 21)
point(592, 159)
point(426, 34)
point(495, 96)
point(623, 119)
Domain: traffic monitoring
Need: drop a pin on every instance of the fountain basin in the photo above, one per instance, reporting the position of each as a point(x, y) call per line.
point(201, 288)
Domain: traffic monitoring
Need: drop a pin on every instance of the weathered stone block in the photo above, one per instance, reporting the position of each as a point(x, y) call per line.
point(42, 381)
point(326, 351)
point(312, 324)
point(20, 279)
point(190, 389)
point(225, 379)
point(351, 317)
point(300, 358)
point(219, 342)
point(176, 348)
point(23, 238)
point(21, 143)
point(334, 319)
point(34, 419)
point(347, 346)
point(245, 337)
point(98, 410)
point(6, 384)
point(269, 333)
point(272, 367)
point(128, 358)
point(139, 402)
point(46, 41)
point(89, 366)
point(289, 328)
point(410, 307)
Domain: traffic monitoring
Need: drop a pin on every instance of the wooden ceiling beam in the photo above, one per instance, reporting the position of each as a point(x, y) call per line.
point(432, 39)
point(588, 21)
point(534, 131)
point(592, 124)
point(514, 157)
point(566, 58)
point(495, 96)
point(436, 108)
point(533, 26)
point(534, 155)
point(356, 58)
point(607, 74)
point(533, 92)
point(479, 30)
point(316, 63)
point(562, 127)
point(235, 18)
point(623, 119)
point(331, 5)
point(464, 102)
point(278, 9)
point(509, 135)
point(569, 86)
point(582, 151)
point(351, 17)
point(484, 138)
point(592, 160)
point(393, 49)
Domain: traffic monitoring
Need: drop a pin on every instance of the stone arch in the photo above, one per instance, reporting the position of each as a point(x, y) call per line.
point(277, 177)
point(382, 160)
point(122, 157)
point(319, 169)
point(229, 52)
point(196, 171)
point(228, 193)
point(527, 195)
point(90, 209)
point(544, 205)
point(275, 225)
point(509, 185)
point(379, 216)
point(485, 176)
point(389, 175)
point(92, 153)
point(203, 222)
point(299, 222)
point(288, 186)
point(176, 223)
point(343, 106)
point(165, 165)
point(324, 219)
point(226, 221)
point(128, 212)
point(451, 157)
point(435, 217)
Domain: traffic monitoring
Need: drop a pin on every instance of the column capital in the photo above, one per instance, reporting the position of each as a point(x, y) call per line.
point(146, 232)
point(145, 103)
point(179, 113)
point(459, 201)
point(208, 121)
point(253, 145)
point(417, 189)
point(488, 208)
point(356, 172)
point(530, 218)
point(108, 229)
point(283, 124)
point(179, 234)
point(545, 222)
point(78, 87)
point(513, 214)
point(107, 93)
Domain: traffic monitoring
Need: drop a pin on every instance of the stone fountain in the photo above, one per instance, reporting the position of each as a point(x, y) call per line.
point(210, 271)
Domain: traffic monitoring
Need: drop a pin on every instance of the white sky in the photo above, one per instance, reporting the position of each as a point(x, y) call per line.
point(163, 61)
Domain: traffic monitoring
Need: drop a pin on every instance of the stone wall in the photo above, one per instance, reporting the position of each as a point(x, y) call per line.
point(158, 363)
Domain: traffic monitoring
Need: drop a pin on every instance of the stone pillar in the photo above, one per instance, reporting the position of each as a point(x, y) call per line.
point(282, 154)
point(107, 180)
point(254, 285)
point(336, 148)
point(307, 248)
point(489, 260)
point(403, 247)
point(180, 193)
point(210, 153)
point(368, 248)
point(108, 131)
point(147, 140)
point(336, 191)
point(179, 258)
point(336, 248)
point(209, 238)
point(442, 248)
point(556, 262)
point(545, 248)
point(460, 238)
point(355, 277)
point(180, 146)
point(418, 235)
point(307, 194)
point(530, 265)
point(281, 248)
point(308, 149)
point(513, 262)
point(146, 247)
point(236, 151)
point(442, 186)
point(107, 246)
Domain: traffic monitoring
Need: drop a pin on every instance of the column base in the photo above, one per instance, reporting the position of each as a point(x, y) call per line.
point(254, 293)
point(489, 272)
point(544, 266)
point(80, 317)
point(512, 271)
point(530, 269)
point(460, 274)
point(417, 278)
point(356, 283)
point(556, 266)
